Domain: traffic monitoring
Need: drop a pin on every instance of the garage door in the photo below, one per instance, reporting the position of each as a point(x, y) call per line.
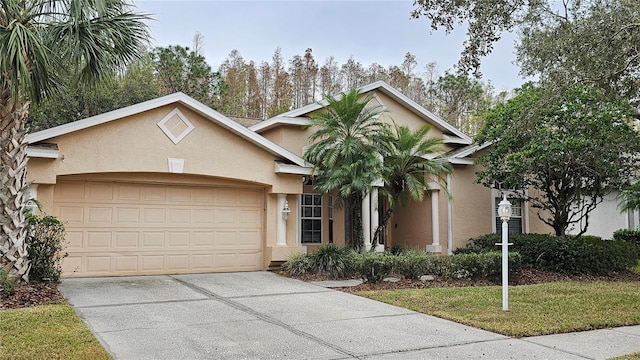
point(139, 229)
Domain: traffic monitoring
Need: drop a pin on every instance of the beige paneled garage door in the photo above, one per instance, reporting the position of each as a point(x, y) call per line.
point(131, 229)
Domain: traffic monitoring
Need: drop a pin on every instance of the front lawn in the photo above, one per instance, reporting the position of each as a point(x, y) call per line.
point(538, 309)
point(47, 332)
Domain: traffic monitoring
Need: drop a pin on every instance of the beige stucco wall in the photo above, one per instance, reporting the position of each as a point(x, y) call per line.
point(134, 149)
point(137, 144)
point(291, 137)
point(472, 214)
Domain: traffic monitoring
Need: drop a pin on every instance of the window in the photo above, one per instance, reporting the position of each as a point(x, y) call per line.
point(311, 219)
point(515, 222)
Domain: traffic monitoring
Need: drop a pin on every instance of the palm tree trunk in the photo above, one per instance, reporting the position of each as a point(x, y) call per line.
point(13, 171)
point(385, 219)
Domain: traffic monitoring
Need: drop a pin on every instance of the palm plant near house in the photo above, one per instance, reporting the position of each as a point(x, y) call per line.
point(629, 198)
point(346, 152)
point(409, 168)
point(36, 38)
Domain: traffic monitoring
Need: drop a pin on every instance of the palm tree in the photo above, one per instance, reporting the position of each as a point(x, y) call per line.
point(36, 37)
point(629, 198)
point(346, 152)
point(409, 168)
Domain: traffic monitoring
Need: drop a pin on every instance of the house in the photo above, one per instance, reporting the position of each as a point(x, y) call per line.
point(172, 186)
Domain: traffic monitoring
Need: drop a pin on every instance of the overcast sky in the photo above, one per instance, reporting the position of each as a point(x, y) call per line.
point(370, 31)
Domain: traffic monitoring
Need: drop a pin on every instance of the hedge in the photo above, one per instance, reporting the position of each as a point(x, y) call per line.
point(587, 255)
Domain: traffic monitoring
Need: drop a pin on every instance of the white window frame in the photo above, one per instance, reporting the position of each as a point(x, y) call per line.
point(496, 197)
point(303, 218)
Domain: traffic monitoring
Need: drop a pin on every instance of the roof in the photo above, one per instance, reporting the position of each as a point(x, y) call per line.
point(439, 123)
point(245, 121)
point(179, 98)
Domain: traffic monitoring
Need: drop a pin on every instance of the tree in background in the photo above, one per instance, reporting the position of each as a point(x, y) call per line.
point(457, 98)
point(567, 150)
point(346, 154)
point(180, 69)
point(579, 41)
point(74, 101)
point(37, 40)
point(259, 90)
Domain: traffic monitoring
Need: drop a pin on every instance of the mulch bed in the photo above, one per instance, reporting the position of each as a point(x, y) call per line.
point(524, 277)
point(42, 293)
point(31, 295)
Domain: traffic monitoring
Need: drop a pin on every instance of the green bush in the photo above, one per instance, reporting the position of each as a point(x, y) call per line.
point(605, 256)
point(412, 264)
point(8, 283)
point(45, 246)
point(568, 254)
point(297, 264)
point(628, 235)
point(397, 249)
point(332, 261)
point(484, 243)
point(373, 266)
point(483, 266)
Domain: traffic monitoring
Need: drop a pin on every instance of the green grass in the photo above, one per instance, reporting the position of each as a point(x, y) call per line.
point(47, 332)
point(634, 356)
point(636, 269)
point(533, 309)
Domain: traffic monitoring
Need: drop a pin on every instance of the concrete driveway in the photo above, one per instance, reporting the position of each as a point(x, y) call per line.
point(260, 315)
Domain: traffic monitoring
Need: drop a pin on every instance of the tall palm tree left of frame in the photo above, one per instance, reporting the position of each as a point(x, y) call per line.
point(36, 38)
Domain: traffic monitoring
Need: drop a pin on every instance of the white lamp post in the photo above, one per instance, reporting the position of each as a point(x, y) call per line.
point(504, 212)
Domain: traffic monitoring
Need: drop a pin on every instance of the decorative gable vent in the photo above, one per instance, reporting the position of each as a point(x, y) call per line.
point(176, 126)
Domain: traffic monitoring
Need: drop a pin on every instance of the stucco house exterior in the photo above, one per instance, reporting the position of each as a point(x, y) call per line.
point(172, 186)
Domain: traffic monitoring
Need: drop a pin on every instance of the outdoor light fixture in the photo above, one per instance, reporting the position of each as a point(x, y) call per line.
point(504, 212)
point(286, 211)
point(504, 209)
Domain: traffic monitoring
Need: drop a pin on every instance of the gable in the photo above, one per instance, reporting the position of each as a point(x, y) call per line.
point(177, 98)
point(450, 134)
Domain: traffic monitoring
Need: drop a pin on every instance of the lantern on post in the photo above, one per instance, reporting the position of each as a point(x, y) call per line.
point(504, 212)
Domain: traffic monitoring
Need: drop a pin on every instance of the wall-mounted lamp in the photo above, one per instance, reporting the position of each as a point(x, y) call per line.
point(286, 211)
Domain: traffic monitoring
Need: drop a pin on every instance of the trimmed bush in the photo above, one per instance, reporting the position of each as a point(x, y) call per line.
point(568, 254)
point(45, 245)
point(628, 235)
point(373, 266)
point(8, 283)
point(412, 264)
point(297, 264)
point(485, 265)
point(332, 261)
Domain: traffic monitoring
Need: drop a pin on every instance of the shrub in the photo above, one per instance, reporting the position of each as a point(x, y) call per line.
point(628, 235)
point(485, 265)
point(605, 256)
point(480, 244)
point(568, 254)
point(8, 283)
point(373, 266)
point(412, 264)
point(332, 261)
point(297, 264)
point(45, 245)
point(396, 249)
